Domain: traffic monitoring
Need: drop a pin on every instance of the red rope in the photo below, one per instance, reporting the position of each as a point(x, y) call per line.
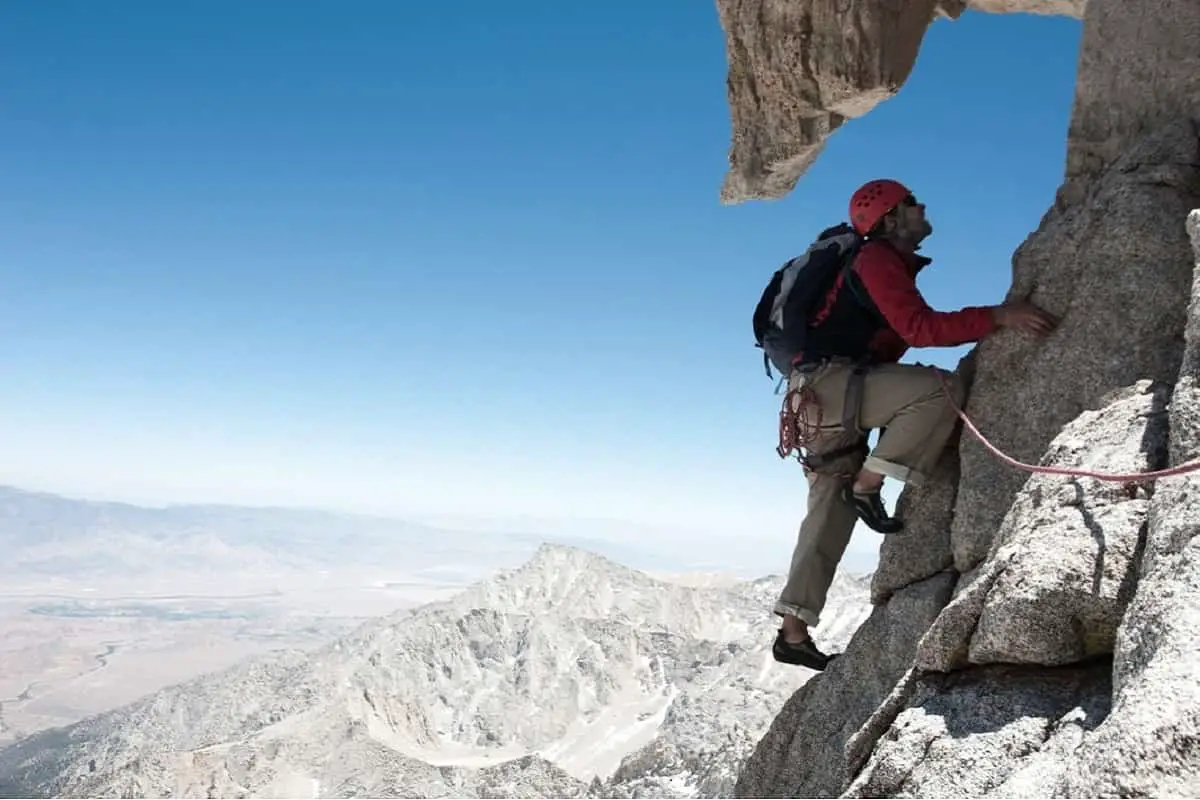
point(1190, 466)
point(799, 421)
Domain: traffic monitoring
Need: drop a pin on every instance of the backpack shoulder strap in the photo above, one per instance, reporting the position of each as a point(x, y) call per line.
point(853, 282)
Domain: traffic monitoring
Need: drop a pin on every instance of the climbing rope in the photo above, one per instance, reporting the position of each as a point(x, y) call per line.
point(1117, 477)
point(799, 420)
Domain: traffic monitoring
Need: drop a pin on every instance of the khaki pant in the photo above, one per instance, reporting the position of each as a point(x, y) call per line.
point(906, 399)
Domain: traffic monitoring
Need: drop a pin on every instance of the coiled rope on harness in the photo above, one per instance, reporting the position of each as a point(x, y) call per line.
point(1113, 477)
point(799, 420)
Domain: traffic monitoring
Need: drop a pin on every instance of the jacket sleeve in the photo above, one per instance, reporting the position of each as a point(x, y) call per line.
point(894, 291)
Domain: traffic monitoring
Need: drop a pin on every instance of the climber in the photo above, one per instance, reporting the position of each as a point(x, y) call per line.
point(868, 320)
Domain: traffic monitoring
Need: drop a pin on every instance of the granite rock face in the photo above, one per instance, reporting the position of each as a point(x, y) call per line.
point(801, 756)
point(1056, 656)
point(1139, 66)
point(1056, 585)
point(991, 732)
point(1148, 743)
point(1107, 702)
point(1117, 270)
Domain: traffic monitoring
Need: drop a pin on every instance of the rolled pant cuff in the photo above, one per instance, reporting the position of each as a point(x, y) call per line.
point(893, 470)
point(799, 612)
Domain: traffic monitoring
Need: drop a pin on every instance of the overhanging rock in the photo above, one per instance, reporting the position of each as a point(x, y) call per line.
point(799, 69)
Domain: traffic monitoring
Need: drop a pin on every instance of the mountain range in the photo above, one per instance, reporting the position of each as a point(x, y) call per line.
point(570, 675)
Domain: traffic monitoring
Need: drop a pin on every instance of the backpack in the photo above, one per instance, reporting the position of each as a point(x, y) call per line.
point(795, 292)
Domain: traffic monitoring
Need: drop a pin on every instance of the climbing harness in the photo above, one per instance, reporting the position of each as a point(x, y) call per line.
point(1113, 477)
point(800, 419)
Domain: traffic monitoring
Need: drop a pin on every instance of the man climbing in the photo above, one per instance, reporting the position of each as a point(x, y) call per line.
point(868, 320)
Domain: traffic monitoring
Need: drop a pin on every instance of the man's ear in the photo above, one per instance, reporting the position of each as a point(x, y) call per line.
point(889, 223)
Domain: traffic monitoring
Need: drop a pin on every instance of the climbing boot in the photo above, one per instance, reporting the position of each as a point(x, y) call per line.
point(869, 506)
point(804, 654)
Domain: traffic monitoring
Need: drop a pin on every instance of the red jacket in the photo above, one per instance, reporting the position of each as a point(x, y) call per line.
point(890, 278)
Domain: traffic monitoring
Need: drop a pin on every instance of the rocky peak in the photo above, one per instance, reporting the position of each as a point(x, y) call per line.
point(552, 559)
point(568, 675)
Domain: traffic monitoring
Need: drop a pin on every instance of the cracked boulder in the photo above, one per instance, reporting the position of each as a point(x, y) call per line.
point(1064, 566)
point(1150, 743)
point(996, 731)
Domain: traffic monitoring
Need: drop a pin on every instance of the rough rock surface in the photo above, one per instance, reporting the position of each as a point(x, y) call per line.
point(1064, 566)
point(801, 755)
point(1119, 275)
point(799, 69)
point(1148, 746)
point(1052, 594)
point(1063, 664)
point(997, 731)
point(1119, 725)
point(1139, 65)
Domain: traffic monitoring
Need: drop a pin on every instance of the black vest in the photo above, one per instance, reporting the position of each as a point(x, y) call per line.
point(846, 328)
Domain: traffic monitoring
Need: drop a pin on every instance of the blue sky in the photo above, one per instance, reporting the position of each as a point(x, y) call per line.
point(428, 258)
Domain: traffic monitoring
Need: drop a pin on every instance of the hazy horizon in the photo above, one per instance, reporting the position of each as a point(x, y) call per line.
point(643, 543)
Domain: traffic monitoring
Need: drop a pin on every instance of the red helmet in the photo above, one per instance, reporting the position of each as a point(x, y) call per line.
point(873, 200)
